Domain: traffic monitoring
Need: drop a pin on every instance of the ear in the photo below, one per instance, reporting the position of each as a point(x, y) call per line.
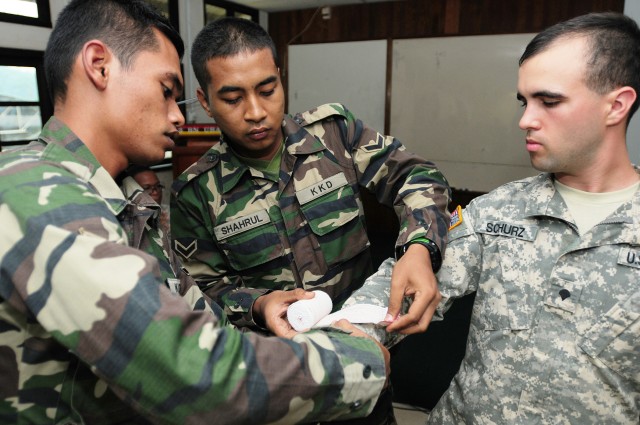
point(202, 98)
point(621, 101)
point(96, 61)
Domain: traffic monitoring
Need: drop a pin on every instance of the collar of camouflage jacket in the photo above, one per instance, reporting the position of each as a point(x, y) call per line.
point(545, 201)
point(297, 140)
point(66, 149)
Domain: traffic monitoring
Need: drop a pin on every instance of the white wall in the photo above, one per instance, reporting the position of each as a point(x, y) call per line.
point(454, 103)
point(28, 37)
point(191, 22)
point(632, 9)
point(332, 72)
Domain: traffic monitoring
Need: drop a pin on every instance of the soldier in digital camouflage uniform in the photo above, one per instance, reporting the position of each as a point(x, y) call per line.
point(555, 259)
point(89, 331)
point(276, 204)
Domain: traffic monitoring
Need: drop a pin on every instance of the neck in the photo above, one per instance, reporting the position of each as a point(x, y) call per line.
point(82, 124)
point(609, 171)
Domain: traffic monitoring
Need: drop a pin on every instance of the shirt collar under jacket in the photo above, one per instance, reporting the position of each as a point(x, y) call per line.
point(135, 194)
point(297, 140)
point(545, 201)
point(65, 148)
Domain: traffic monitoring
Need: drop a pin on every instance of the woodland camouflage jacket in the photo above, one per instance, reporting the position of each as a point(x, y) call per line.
point(84, 316)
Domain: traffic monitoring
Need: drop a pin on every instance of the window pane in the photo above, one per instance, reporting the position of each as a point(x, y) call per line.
point(161, 5)
point(19, 123)
point(243, 16)
point(18, 84)
point(20, 7)
point(213, 12)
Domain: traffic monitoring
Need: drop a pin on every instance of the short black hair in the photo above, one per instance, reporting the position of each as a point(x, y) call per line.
point(227, 37)
point(614, 44)
point(126, 26)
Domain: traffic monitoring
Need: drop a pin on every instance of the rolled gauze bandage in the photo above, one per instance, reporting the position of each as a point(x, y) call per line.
point(304, 314)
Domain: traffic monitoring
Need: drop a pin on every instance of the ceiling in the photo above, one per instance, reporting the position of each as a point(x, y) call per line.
point(282, 5)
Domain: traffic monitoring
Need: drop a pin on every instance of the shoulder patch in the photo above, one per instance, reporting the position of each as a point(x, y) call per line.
point(320, 113)
point(456, 217)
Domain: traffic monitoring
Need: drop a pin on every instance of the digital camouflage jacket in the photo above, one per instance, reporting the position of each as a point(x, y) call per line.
point(241, 233)
point(555, 328)
point(85, 316)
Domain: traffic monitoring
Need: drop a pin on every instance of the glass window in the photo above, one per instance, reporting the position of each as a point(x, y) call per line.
point(24, 101)
point(242, 15)
point(215, 9)
point(211, 12)
point(20, 7)
point(18, 121)
point(169, 8)
point(28, 12)
point(19, 83)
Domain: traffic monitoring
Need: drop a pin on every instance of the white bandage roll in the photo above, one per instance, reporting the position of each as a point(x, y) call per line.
point(303, 314)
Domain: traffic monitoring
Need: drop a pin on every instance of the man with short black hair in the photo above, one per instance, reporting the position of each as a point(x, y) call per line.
point(92, 327)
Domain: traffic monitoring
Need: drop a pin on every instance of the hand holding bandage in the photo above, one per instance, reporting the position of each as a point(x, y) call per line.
point(366, 308)
point(314, 313)
point(303, 314)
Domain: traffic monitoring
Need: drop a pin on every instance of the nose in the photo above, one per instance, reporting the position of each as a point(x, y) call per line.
point(254, 112)
point(175, 115)
point(529, 120)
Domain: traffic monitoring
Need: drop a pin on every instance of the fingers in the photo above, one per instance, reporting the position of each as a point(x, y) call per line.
point(276, 310)
point(345, 325)
point(395, 302)
point(301, 294)
point(414, 321)
point(279, 326)
point(418, 281)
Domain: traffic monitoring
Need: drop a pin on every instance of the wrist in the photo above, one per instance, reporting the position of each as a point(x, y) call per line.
point(257, 312)
point(434, 252)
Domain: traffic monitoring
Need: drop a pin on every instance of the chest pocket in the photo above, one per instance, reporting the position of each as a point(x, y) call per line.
point(507, 282)
point(250, 240)
point(614, 339)
point(331, 210)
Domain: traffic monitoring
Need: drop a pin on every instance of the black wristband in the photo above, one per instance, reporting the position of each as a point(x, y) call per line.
point(434, 251)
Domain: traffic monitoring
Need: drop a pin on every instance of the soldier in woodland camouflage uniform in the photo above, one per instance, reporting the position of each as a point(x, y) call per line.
point(555, 259)
point(276, 205)
point(89, 332)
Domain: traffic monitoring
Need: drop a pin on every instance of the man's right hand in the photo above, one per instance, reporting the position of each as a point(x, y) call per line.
point(271, 310)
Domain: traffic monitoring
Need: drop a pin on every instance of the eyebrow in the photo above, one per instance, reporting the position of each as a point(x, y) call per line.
point(177, 84)
point(542, 93)
point(228, 89)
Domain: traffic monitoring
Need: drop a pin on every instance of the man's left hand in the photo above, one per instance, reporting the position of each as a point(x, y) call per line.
point(413, 277)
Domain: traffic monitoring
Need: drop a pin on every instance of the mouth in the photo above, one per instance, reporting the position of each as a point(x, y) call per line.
point(171, 139)
point(532, 145)
point(258, 133)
